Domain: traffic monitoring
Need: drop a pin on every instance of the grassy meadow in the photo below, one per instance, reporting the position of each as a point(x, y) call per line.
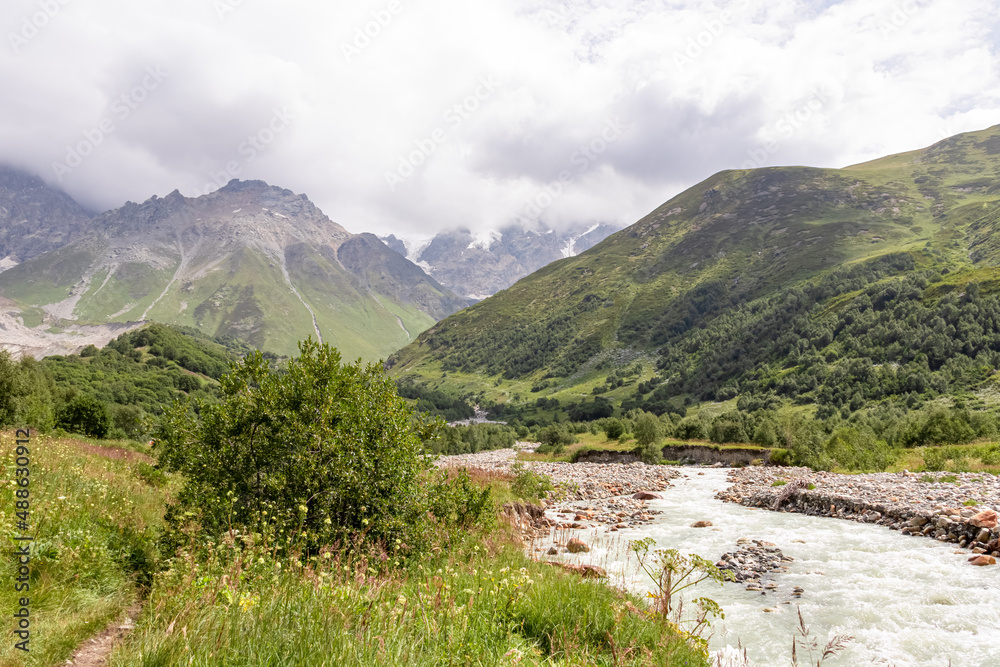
point(475, 598)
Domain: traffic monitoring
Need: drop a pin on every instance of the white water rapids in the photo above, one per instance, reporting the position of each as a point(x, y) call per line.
point(907, 601)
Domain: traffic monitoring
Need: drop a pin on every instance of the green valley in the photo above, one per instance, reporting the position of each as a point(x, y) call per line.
point(825, 288)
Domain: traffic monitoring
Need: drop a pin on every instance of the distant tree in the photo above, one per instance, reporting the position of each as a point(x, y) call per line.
point(86, 415)
point(613, 429)
point(11, 388)
point(647, 429)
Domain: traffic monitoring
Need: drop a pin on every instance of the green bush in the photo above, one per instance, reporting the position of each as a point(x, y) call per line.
point(651, 453)
point(528, 484)
point(324, 452)
point(556, 436)
point(690, 428)
point(85, 414)
point(647, 429)
point(859, 450)
point(780, 457)
point(613, 428)
point(456, 501)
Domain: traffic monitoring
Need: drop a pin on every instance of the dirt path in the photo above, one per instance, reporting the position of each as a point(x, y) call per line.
point(94, 652)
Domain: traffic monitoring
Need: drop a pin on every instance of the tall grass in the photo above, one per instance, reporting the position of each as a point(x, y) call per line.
point(482, 603)
point(92, 517)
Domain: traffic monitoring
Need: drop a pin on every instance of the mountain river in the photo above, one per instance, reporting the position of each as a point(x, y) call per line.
point(906, 601)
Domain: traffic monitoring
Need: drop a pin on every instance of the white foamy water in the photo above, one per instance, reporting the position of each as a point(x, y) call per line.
point(907, 601)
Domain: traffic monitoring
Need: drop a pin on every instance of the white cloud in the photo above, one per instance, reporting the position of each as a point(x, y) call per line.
point(700, 86)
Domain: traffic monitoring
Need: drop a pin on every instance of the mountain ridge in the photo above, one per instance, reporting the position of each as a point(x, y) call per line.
point(731, 242)
point(480, 264)
point(250, 260)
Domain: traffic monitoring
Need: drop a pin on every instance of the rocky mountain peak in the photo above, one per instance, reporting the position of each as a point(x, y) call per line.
point(34, 217)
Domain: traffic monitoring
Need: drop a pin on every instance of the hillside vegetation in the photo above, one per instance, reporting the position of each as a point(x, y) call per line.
point(827, 288)
point(115, 391)
point(290, 518)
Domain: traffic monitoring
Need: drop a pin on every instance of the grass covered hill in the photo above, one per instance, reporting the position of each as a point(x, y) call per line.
point(828, 286)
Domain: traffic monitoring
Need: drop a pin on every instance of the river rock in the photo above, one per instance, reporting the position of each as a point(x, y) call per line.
point(983, 560)
point(587, 571)
point(701, 524)
point(986, 519)
point(576, 546)
point(647, 495)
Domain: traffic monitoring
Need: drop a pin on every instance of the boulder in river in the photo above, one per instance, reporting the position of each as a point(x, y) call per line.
point(647, 495)
point(983, 560)
point(575, 546)
point(701, 524)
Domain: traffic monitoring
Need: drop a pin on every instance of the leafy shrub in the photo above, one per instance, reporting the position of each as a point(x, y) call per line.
point(691, 428)
point(85, 414)
point(647, 429)
point(324, 452)
point(556, 436)
point(855, 449)
point(456, 501)
point(613, 429)
point(651, 453)
point(152, 476)
point(781, 457)
point(529, 484)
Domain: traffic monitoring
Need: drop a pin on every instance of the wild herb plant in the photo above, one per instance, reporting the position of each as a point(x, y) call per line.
point(673, 572)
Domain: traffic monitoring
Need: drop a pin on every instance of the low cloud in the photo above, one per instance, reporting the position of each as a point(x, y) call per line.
point(698, 87)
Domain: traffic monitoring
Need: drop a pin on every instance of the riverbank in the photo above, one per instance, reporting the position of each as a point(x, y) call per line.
point(959, 508)
point(588, 495)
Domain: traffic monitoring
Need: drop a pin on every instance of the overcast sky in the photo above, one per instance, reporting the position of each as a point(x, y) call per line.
point(412, 116)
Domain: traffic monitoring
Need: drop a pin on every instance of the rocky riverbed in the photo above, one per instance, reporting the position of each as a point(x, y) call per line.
point(577, 481)
point(960, 508)
point(588, 495)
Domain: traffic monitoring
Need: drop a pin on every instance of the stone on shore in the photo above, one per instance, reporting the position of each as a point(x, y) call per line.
point(587, 571)
point(986, 519)
point(647, 495)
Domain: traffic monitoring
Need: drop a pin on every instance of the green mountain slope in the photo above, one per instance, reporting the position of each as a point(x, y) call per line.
point(751, 279)
point(249, 261)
